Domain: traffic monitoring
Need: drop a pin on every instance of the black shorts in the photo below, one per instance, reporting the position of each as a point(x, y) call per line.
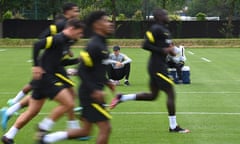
point(95, 113)
point(161, 80)
point(33, 83)
point(48, 87)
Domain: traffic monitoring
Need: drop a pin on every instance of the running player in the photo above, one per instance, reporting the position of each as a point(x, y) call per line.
point(92, 72)
point(50, 83)
point(158, 42)
point(70, 11)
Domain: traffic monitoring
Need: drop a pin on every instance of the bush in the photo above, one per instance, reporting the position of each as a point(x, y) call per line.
point(137, 16)
point(8, 15)
point(201, 16)
point(121, 17)
point(174, 17)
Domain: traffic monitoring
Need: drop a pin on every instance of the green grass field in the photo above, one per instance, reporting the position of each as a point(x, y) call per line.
point(209, 106)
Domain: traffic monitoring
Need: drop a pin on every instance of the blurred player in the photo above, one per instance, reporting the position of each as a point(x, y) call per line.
point(158, 42)
point(70, 11)
point(177, 61)
point(50, 82)
point(119, 67)
point(92, 72)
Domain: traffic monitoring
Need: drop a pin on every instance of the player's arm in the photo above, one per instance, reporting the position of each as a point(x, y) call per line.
point(126, 59)
point(157, 40)
point(37, 71)
point(110, 60)
point(72, 61)
point(52, 30)
point(38, 46)
point(49, 31)
point(150, 43)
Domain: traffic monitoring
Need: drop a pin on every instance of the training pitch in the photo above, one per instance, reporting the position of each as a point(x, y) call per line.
point(209, 106)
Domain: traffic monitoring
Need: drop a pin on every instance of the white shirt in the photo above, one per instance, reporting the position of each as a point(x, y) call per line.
point(180, 55)
point(124, 59)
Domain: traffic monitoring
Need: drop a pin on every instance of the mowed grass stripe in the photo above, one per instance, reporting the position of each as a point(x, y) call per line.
point(209, 106)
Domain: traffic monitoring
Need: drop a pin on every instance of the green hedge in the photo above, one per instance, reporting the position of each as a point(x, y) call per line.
point(133, 42)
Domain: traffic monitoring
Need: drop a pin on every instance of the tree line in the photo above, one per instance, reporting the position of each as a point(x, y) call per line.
point(120, 9)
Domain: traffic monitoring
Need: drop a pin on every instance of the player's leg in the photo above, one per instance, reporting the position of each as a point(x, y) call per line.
point(26, 89)
point(109, 71)
point(127, 68)
point(7, 113)
point(104, 132)
point(168, 88)
point(72, 123)
point(33, 109)
point(70, 134)
point(179, 71)
point(66, 103)
point(140, 96)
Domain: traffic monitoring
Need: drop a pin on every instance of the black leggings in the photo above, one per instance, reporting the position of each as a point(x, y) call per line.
point(118, 74)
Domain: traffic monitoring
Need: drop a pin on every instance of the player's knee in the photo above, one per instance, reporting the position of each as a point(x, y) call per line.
point(153, 97)
point(69, 105)
point(107, 129)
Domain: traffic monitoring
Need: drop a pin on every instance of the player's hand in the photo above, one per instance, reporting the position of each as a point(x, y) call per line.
point(111, 86)
point(37, 72)
point(98, 96)
point(119, 64)
point(170, 50)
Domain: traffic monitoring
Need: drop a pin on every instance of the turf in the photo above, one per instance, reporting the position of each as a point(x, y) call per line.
point(209, 106)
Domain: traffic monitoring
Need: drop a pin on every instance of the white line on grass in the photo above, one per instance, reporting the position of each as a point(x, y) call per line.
point(29, 61)
point(165, 113)
point(220, 92)
point(2, 50)
point(205, 59)
point(191, 53)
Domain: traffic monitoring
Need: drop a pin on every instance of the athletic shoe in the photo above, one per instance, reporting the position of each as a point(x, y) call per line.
point(5, 118)
point(115, 101)
point(6, 140)
point(178, 129)
point(10, 102)
point(77, 109)
point(39, 136)
point(84, 138)
point(40, 141)
point(126, 83)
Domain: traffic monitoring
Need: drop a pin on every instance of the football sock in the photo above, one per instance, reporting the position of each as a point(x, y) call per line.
point(172, 122)
point(11, 110)
point(54, 137)
point(73, 124)
point(128, 97)
point(46, 124)
point(19, 96)
point(11, 132)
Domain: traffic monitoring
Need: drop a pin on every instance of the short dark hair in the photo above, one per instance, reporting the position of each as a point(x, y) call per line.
point(116, 48)
point(94, 16)
point(158, 12)
point(68, 6)
point(76, 23)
